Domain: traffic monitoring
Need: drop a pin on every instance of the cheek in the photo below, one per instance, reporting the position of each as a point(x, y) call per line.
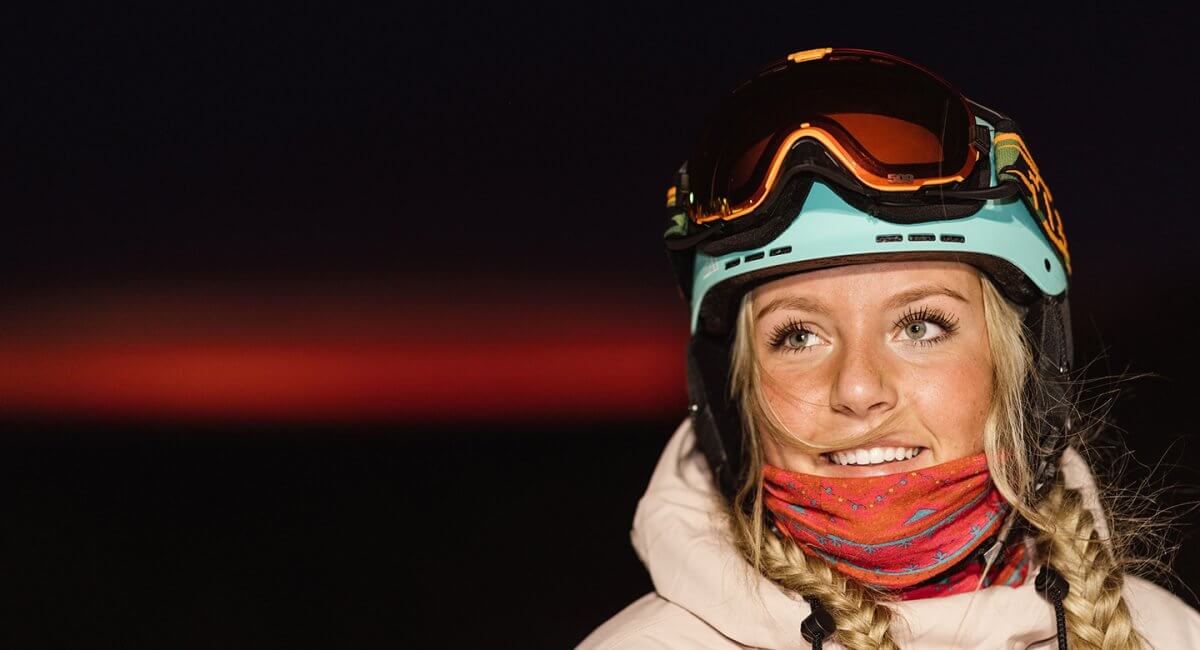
point(796, 399)
point(953, 400)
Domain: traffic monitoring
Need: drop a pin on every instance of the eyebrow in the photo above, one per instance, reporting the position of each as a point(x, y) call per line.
point(804, 303)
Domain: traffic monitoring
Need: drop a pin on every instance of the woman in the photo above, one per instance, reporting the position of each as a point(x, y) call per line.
point(883, 449)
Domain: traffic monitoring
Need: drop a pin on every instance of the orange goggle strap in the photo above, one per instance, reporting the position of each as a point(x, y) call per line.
point(1015, 164)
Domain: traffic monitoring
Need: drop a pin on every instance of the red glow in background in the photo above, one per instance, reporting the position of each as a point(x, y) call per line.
point(358, 354)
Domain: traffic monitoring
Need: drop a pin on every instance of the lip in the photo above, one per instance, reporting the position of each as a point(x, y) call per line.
point(922, 459)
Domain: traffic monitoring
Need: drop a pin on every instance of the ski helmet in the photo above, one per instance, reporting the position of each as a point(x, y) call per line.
point(841, 156)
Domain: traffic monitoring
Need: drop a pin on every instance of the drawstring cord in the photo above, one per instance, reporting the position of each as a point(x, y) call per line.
point(1054, 588)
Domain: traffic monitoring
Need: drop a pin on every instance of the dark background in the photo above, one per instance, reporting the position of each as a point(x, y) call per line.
point(456, 213)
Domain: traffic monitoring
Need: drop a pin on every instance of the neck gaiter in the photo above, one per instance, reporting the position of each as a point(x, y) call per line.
point(898, 531)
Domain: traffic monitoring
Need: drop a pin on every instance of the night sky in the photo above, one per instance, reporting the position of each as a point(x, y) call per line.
point(299, 306)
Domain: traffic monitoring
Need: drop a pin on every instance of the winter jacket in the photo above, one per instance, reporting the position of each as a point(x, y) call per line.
point(707, 596)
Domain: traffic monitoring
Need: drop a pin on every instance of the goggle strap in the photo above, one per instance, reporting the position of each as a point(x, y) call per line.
point(1015, 164)
point(998, 120)
point(1006, 189)
point(983, 141)
point(693, 240)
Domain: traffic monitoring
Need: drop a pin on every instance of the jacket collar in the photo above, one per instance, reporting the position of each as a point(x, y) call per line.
point(680, 535)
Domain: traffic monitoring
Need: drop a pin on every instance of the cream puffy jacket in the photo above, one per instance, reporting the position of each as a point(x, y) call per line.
point(707, 596)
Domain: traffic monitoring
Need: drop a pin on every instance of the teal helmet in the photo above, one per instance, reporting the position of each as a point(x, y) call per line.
point(826, 158)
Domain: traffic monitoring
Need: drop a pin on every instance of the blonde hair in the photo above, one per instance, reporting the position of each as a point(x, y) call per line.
point(1066, 535)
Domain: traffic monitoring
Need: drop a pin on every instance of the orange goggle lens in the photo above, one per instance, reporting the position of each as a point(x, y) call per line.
point(891, 123)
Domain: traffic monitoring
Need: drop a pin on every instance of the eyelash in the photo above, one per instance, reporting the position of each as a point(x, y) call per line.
point(948, 324)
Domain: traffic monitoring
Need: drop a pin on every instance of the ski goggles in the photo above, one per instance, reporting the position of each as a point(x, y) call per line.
point(870, 122)
point(890, 123)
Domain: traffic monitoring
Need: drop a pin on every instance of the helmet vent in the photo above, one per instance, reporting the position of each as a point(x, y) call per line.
point(883, 239)
point(782, 250)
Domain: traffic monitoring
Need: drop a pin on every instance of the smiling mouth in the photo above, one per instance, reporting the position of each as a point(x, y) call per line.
point(873, 455)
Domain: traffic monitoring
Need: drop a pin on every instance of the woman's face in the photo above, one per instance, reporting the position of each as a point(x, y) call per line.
point(842, 349)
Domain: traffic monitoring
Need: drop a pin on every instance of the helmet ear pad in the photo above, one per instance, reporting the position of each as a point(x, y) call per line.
point(716, 417)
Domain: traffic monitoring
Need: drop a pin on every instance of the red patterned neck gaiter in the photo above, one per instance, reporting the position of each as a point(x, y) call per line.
point(900, 530)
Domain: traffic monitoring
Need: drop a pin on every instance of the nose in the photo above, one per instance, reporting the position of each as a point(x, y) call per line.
point(862, 386)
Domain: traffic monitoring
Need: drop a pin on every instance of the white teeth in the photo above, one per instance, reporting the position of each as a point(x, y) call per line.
point(873, 455)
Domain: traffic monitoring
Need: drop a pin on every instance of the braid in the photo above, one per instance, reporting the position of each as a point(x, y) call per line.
point(861, 621)
point(1097, 615)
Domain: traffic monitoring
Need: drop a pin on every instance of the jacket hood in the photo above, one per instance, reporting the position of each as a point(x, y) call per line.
point(680, 535)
